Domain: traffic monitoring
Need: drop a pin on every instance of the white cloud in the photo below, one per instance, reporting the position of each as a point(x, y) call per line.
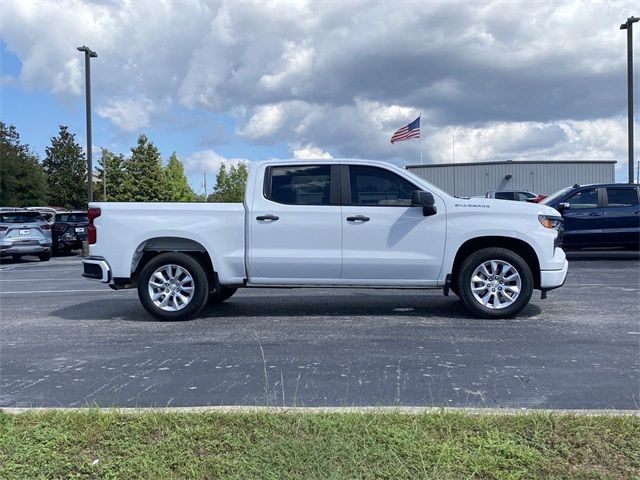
point(603, 139)
point(309, 152)
point(129, 114)
point(209, 161)
point(265, 121)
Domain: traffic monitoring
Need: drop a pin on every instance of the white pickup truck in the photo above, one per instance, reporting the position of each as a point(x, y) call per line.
point(336, 223)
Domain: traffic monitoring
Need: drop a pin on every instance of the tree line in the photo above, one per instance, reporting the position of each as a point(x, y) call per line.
point(61, 178)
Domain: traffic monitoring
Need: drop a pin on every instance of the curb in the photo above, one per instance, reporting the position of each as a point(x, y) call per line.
point(324, 410)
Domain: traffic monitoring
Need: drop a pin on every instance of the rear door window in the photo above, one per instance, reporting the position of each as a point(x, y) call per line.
point(587, 198)
point(622, 196)
point(299, 185)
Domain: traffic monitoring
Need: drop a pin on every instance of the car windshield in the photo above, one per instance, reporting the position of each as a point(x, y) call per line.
point(20, 217)
point(72, 217)
point(552, 198)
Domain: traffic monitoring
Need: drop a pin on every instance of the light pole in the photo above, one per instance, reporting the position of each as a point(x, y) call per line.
point(88, 54)
point(628, 26)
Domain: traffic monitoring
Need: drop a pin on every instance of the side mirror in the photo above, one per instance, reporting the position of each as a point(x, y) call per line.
point(421, 199)
point(563, 206)
point(424, 200)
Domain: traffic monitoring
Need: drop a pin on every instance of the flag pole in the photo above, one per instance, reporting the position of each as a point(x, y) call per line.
point(420, 117)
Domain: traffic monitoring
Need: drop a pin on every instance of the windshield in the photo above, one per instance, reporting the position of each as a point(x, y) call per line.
point(552, 198)
point(20, 217)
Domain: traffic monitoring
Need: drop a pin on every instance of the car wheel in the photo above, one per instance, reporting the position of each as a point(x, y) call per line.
point(16, 257)
point(495, 283)
point(45, 256)
point(221, 294)
point(173, 287)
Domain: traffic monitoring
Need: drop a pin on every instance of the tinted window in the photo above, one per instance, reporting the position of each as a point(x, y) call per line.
point(21, 217)
point(622, 197)
point(306, 185)
point(553, 197)
point(71, 217)
point(377, 186)
point(504, 195)
point(584, 199)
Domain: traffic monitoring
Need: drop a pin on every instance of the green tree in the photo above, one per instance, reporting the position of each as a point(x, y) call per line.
point(22, 180)
point(66, 170)
point(177, 187)
point(145, 174)
point(230, 186)
point(117, 179)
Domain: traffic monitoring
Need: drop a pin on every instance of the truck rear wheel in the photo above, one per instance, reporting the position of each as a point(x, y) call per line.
point(221, 294)
point(495, 283)
point(173, 287)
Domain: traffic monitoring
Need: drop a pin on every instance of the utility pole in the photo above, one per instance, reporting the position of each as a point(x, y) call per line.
point(88, 54)
point(628, 26)
point(104, 180)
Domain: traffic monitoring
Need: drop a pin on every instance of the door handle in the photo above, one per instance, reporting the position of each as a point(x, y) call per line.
point(270, 217)
point(595, 214)
point(358, 218)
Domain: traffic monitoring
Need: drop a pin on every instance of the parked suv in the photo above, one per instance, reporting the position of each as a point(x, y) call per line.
point(599, 215)
point(24, 232)
point(517, 195)
point(69, 230)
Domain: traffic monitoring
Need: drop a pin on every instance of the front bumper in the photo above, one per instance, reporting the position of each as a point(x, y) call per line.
point(554, 278)
point(96, 268)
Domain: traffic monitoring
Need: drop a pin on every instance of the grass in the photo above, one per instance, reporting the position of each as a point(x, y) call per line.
point(441, 445)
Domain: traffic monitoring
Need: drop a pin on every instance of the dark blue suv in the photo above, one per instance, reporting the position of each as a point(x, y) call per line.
point(599, 215)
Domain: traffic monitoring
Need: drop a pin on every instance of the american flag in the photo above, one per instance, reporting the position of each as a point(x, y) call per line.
point(409, 131)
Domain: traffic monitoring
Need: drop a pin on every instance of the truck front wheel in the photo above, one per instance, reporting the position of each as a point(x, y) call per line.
point(173, 287)
point(495, 283)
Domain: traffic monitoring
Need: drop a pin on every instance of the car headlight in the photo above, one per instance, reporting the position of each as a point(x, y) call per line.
point(550, 222)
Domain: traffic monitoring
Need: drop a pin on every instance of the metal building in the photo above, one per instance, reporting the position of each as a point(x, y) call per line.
point(544, 176)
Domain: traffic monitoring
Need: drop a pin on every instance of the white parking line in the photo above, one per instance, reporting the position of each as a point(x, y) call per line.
point(39, 280)
point(55, 291)
point(16, 269)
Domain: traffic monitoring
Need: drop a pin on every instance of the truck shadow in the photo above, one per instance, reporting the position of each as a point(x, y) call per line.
point(616, 255)
point(243, 306)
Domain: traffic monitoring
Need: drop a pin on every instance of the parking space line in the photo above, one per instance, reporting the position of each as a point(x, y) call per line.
point(56, 291)
point(36, 280)
point(16, 269)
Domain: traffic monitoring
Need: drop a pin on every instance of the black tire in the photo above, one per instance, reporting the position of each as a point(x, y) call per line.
point(45, 256)
point(502, 255)
point(16, 257)
point(221, 294)
point(198, 283)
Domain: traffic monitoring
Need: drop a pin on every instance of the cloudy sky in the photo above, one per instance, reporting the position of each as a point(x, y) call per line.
point(226, 80)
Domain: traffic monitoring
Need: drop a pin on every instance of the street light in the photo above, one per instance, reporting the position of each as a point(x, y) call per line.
point(628, 26)
point(88, 54)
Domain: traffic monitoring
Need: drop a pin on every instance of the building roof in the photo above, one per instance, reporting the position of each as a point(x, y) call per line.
point(509, 162)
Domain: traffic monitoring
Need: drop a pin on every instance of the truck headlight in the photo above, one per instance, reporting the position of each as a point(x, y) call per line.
point(550, 222)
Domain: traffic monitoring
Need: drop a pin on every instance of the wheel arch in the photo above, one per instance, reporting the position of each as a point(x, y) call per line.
point(155, 246)
point(516, 245)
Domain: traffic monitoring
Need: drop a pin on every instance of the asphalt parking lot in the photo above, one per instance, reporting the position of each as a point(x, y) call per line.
point(70, 342)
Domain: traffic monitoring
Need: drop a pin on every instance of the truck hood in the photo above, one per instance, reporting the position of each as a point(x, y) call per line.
point(493, 206)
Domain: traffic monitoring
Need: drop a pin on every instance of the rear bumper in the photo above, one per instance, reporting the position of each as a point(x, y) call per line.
point(25, 249)
point(96, 268)
point(553, 278)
